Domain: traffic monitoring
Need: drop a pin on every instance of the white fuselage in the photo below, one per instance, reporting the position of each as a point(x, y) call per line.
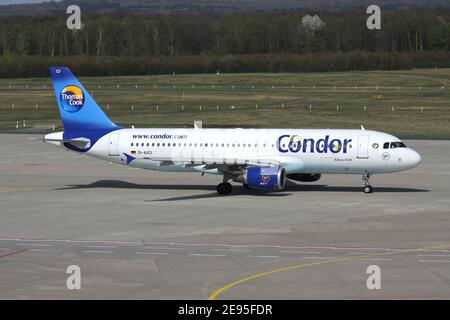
point(297, 150)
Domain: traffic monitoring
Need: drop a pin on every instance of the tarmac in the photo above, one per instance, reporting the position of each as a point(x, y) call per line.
point(139, 234)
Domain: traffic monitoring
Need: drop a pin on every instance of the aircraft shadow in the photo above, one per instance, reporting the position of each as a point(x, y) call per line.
point(237, 190)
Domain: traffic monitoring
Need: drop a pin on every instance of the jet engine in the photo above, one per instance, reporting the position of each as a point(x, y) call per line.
point(264, 178)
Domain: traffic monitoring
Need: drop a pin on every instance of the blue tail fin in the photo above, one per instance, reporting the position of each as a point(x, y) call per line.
point(79, 111)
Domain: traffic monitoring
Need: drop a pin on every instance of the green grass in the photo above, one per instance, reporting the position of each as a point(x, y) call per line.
point(312, 100)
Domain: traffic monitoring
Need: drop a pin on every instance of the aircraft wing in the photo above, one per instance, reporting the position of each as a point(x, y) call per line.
point(235, 164)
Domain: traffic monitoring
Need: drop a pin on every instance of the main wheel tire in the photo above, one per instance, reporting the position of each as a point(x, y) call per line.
point(221, 188)
point(368, 189)
point(224, 188)
point(228, 187)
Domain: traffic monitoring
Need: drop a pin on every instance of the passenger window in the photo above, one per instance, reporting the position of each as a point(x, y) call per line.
point(153, 144)
point(132, 144)
point(205, 145)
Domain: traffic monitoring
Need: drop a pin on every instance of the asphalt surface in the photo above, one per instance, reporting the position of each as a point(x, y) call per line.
point(151, 235)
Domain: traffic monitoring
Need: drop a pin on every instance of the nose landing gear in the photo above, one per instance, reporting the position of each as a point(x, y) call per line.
point(367, 187)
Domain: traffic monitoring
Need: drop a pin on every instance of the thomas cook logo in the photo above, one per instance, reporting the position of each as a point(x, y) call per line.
point(72, 98)
point(265, 179)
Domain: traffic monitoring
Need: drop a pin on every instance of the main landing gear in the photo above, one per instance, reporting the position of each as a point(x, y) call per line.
point(224, 188)
point(367, 187)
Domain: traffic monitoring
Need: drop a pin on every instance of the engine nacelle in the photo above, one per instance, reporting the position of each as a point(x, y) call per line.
point(304, 177)
point(265, 178)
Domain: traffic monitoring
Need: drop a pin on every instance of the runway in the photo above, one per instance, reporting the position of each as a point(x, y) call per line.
point(151, 235)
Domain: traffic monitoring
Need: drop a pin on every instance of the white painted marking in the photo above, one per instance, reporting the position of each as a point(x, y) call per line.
point(377, 259)
point(311, 252)
point(157, 253)
point(270, 257)
point(320, 258)
point(46, 250)
point(97, 251)
point(434, 260)
point(198, 244)
point(207, 255)
point(232, 250)
point(111, 247)
point(163, 248)
point(360, 253)
point(34, 245)
point(74, 241)
point(5, 249)
point(434, 255)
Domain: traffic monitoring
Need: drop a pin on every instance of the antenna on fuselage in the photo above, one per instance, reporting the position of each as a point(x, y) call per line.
point(362, 128)
point(198, 124)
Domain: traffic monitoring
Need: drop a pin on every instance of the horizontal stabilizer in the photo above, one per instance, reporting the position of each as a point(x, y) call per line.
point(80, 143)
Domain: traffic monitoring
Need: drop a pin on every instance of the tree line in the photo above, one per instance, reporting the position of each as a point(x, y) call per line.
point(201, 42)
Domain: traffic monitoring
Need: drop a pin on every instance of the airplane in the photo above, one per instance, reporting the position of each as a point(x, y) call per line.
point(260, 159)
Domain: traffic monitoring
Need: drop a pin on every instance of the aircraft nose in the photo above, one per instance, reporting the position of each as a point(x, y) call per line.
point(414, 158)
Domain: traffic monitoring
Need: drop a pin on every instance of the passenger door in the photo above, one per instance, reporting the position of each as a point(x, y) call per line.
point(114, 144)
point(363, 147)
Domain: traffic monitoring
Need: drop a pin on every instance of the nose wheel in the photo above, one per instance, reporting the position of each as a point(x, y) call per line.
point(367, 187)
point(224, 188)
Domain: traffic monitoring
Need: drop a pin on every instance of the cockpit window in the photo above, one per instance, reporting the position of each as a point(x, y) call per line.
point(386, 145)
point(398, 144)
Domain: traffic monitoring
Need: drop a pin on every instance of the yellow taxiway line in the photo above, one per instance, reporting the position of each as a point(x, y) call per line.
point(221, 290)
